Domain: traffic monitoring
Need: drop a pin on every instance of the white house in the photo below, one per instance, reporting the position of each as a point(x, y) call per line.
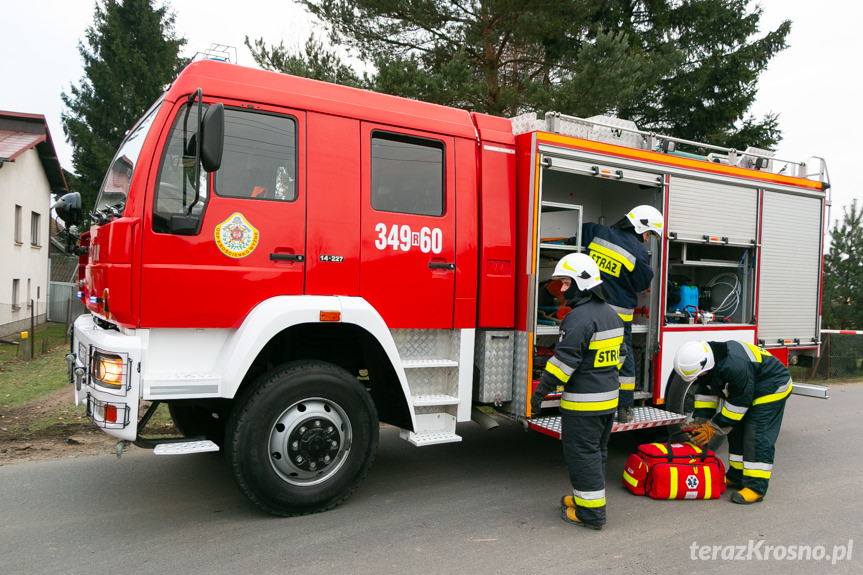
point(29, 173)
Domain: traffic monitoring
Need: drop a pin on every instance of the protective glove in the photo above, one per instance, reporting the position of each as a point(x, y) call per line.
point(702, 434)
point(542, 389)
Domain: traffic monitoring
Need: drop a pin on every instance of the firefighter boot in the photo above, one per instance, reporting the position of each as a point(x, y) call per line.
point(624, 414)
point(568, 515)
point(567, 501)
point(746, 497)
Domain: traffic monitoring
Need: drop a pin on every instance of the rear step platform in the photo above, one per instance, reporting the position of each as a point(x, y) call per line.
point(644, 417)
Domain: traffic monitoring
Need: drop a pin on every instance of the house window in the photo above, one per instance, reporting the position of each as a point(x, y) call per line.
point(15, 285)
point(17, 224)
point(34, 229)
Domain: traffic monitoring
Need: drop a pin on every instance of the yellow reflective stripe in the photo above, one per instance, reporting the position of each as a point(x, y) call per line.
point(774, 396)
point(556, 372)
point(755, 353)
point(630, 479)
point(736, 464)
point(594, 247)
point(625, 316)
point(673, 480)
point(604, 343)
point(708, 482)
point(756, 473)
point(588, 405)
point(589, 502)
point(706, 404)
point(733, 415)
point(627, 386)
point(662, 448)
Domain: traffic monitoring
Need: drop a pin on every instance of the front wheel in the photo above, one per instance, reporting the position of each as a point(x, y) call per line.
point(303, 438)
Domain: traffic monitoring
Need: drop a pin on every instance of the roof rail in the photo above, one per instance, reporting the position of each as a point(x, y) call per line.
point(625, 133)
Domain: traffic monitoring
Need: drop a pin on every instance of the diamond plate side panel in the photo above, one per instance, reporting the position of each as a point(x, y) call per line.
point(427, 343)
point(433, 381)
point(494, 357)
point(523, 347)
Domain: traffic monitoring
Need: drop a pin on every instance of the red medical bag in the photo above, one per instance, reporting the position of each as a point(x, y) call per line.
point(674, 471)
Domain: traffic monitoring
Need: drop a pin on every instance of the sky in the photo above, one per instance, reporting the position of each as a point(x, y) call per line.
point(814, 85)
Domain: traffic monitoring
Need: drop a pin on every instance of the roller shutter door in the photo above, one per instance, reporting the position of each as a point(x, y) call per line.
point(696, 208)
point(790, 268)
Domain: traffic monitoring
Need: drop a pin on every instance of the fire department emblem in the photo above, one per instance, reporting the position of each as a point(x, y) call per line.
point(236, 237)
point(692, 482)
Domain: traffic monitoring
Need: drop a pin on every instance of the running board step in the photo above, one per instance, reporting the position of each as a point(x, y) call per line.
point(185, 447)
point(425, 438)
point(645, 417)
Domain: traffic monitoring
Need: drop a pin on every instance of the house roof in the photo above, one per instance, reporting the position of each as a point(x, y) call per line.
point(21, 132)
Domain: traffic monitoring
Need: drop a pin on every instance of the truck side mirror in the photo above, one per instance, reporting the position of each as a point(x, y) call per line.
point(212, 137)
point(68, 208)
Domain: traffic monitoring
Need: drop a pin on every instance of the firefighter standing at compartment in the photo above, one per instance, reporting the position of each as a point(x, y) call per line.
point(754, 386)
point(625, 267)
point(585, 362)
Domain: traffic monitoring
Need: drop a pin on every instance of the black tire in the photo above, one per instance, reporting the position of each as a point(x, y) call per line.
point(302, 439)
point(680, 398)
point(194, 419)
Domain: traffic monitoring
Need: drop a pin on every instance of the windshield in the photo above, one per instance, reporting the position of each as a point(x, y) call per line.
point(115, 187)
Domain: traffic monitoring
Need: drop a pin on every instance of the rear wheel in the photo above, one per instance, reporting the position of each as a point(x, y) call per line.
point(680, 398)
point(303, 438)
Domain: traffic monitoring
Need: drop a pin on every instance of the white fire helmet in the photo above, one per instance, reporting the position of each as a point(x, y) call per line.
point(692, 359)
point(646, 219)
point(581, 268)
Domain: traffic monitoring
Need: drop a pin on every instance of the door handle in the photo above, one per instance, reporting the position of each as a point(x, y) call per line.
point(441, 266)
point(289, 257)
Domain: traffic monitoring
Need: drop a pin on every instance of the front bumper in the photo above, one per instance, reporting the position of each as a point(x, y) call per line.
point(112, 406)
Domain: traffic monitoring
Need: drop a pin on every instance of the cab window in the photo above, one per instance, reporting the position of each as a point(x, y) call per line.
point(260, 157)
point(407, 174)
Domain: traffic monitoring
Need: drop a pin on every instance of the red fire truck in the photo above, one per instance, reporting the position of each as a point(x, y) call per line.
point(286, 263)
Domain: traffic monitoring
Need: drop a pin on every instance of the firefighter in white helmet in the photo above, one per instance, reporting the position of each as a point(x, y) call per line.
point(754, 386)
point(585, 363)
point(625, 267)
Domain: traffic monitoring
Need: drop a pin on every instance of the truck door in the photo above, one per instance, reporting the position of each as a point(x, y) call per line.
point(407, 259)
point(244, 240)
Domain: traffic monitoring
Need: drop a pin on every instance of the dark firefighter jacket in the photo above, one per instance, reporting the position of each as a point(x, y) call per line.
point(623, 262)
point(744, 375)
point(586, 357)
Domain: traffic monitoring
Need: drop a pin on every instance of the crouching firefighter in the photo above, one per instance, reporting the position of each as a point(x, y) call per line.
point(754, 386)
point(585, 363)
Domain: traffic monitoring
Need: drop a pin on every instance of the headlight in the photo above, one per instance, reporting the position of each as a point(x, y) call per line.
point(108, 370)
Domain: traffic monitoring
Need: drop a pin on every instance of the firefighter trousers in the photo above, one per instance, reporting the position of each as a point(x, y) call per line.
point(626, 374)
point(751, 445)
point(585, 448)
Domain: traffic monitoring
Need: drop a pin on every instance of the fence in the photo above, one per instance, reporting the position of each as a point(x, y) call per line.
point(841, 356)
point(63, 303)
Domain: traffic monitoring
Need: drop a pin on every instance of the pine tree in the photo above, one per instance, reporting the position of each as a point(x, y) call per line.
point(842, 299)
point(684, 67)
point(131, 54)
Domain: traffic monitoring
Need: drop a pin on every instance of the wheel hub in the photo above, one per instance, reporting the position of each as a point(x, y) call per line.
point(314, 445)
point(309, 441)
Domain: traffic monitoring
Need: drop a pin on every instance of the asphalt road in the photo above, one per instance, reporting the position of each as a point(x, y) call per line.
point(487, 505)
